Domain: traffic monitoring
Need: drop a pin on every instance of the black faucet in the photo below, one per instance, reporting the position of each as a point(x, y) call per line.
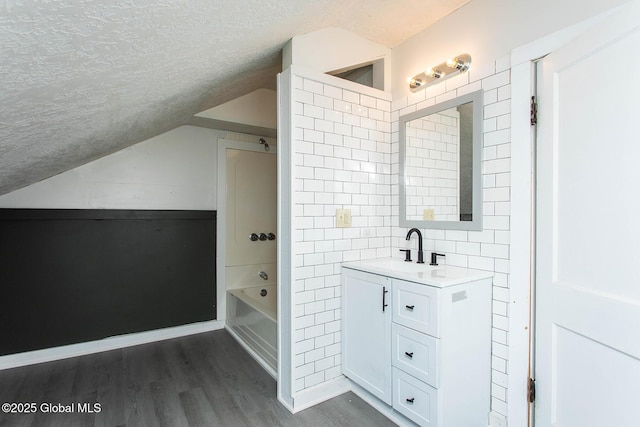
point(420, 253)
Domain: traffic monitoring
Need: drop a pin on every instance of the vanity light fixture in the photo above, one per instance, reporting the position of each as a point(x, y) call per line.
point(451, 67)
point(435, 73)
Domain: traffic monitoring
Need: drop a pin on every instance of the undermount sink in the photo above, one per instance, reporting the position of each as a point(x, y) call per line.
point(403, 266)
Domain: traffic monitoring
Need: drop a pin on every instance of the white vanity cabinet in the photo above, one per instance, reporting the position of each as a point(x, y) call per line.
point(366, 326)
point(437, 340)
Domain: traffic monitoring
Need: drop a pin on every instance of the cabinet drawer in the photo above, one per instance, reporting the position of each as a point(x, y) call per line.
point(416, 354)
point(414, 399)
point(416, 306)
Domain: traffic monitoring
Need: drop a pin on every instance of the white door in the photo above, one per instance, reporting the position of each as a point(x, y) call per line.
point(251, 203)
point(587, 347)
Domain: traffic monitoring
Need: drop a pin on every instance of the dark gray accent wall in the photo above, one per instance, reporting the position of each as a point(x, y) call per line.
point(71, 276)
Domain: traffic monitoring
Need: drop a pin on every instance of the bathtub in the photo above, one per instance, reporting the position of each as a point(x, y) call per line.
point(252, 319)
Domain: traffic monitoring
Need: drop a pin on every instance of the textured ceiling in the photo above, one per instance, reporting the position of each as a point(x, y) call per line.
point(80, 79)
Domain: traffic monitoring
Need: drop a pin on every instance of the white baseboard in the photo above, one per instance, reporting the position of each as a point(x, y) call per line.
point(381, 407)
point(106, 344)
point(286, 404)
point(318, 394)
point(495, 419)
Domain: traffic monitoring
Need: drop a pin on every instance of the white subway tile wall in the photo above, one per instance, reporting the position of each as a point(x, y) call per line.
point(342, 149)
point(487, 249)
point(346, 157)
point(431, 169)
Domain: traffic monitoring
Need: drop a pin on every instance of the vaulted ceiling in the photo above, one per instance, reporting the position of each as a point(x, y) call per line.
point(80, 79)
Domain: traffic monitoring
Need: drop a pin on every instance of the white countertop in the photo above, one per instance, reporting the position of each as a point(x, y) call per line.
point(439, 276)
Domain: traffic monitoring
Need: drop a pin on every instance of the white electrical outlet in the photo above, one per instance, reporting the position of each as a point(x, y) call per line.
point(343, 218)
point(428, 215)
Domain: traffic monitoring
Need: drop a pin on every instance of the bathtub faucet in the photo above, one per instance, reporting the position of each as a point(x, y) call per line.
point(420, 253)
point(263, 275)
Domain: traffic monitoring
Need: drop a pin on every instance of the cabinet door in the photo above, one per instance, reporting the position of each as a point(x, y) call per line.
point(366, 331)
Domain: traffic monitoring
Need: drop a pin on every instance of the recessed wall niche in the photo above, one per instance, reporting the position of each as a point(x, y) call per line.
point(369, 74)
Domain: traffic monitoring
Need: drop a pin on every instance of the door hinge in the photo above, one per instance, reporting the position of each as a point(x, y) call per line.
point(532, 390)
point(534, 111)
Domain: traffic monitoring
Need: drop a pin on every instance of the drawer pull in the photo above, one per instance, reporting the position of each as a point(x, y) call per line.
point(410, 400)
point(410, 307)
point(409, 355)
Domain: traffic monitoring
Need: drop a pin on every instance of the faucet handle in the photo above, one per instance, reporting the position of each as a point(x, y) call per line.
point(434, 258)
point(407, 254)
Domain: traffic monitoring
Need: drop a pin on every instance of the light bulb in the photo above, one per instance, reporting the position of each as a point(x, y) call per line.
point(453, 63)
point(433, 73)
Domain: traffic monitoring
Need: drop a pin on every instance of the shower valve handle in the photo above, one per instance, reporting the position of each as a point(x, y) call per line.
point(263, 275)
point(254, 237)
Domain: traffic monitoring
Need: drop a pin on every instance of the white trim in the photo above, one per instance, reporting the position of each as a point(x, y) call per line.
point(545, 45)
point(320, 393)
point(522, 213)
point(380, 406)
point(221, 220)
point(285, 403)
point(286, 238)
point(111, 343)
point(252, 353)
point(222, 125)
point(521, 217)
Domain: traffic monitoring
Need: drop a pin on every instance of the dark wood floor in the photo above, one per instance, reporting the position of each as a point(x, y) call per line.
point(200, 380)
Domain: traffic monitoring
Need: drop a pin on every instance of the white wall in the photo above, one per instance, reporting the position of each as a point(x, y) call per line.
point(332, 49)
point(487, 30)
point(432, 167)
point(175, 170)
point(342, 152)
point(487, 249)
point(490, 30)
point(258, 108)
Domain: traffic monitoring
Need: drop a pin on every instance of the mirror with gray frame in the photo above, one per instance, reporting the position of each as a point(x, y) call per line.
point(440, 165)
